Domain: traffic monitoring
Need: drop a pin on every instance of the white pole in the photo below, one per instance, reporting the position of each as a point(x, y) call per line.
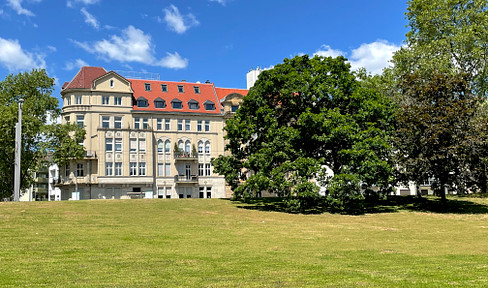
point(18, 150)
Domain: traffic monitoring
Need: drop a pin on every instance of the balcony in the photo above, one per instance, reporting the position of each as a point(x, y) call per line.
point(185, 156)
point(183, 179)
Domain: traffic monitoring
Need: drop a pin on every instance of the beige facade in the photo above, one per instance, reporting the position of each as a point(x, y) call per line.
point(131, 149)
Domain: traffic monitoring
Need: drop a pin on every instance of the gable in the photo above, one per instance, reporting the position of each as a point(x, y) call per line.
point(112, 82)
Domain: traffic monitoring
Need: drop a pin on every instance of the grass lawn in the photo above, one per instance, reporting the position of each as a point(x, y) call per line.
point(220, 243)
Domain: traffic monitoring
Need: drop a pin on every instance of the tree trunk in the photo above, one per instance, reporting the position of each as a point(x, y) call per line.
point(442, 192)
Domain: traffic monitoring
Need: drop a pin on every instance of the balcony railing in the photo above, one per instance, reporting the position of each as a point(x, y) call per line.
point(187, 156)
point(186, 179)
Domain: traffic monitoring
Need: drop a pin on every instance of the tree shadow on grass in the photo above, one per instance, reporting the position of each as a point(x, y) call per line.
point(392, 204)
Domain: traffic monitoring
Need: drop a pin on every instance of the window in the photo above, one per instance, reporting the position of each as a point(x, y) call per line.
point(201, 192)
point(177, 104)
point(160, 169)
point(167, 169)
point(142, 102)
point(144, 123)
point(164, 88)
point(118, 144)
point(207, 147)
point(147, 86)
point(159, 103)
point(111, 83)
point(108, 168)
point(207, 125)
point(142, 145)
point(160, 146)
point(117, 100)
point(78, 99)
point(168, 192)
point(159, 124)
point(187, 146)
point(117, 122)
point(142, 169)
point(79, 170)
point(167, 147)
point(209, 192)
point(180, 89)
point(187, 125)
point(180, 125)
point(207, 169)
point(167, 124)
point(209, 106)
point(105, 122)
point(66, 119)
point(133, 144)
point(105, 100)
point(67, 170)
point(80, 120)
point(68, 100)
point(200, 169)
point(234, 108)
point(133, 168)
point(108, 144)
point(118, 168)
point(199, 125)
point(200, 147)
point(196, 89)
point(137, 123)
point(193, 105)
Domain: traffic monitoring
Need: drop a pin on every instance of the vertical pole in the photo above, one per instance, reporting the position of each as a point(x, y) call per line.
point(18, 150)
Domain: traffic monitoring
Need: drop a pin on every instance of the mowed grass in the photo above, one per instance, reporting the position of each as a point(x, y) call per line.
point(220, 243)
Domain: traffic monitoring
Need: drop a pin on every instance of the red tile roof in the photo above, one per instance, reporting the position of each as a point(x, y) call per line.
point(207, 93)
point(223, 92)
point(85, 77)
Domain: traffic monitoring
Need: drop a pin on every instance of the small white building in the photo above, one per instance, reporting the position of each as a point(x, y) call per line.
point(54, 193)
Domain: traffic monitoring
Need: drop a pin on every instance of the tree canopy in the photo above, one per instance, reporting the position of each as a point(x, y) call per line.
point(302, 117)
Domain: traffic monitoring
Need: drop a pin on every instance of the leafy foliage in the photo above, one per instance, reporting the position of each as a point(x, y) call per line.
point(300, 117)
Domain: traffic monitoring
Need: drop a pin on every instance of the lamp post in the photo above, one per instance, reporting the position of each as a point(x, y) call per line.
point(18, 150)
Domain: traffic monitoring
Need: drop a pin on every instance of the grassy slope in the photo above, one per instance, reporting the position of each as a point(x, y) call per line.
point(213, 243)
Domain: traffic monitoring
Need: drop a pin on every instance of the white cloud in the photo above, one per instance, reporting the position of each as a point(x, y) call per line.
point(173, 61)
point(177, 22)
point(78, 63)
point(70, 3)
point(223, 2)
point(132, 46)
point(17, 6)
point(373, 56)
point(327, 51)
point(90, 19)
point(15, 58)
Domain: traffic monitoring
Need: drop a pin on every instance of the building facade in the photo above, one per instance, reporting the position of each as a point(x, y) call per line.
point(145, 138)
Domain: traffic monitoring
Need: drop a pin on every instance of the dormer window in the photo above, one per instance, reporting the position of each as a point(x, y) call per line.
point(142, 102)
point(180, 89)
point(193, 105)
point(196, 89)
point(176, 104)
point(209, 106)
point(147, 86)
point(234, 108)
point(164, 88)
point(159, 103)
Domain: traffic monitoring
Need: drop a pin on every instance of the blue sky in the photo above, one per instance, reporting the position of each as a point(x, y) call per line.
point(199, 40)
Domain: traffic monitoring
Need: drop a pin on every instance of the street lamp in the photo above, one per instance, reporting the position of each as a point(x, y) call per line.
point(18, 150)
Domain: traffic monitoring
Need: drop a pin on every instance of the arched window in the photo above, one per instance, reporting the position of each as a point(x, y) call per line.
point(142, 102)
point(181, 145)
point(167, 147)
point(207, 147)
point(187, 146)
point(200, 147)
point(160, 146)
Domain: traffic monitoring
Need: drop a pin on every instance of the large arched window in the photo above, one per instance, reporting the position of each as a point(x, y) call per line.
point(181, 146)
point(207, 147)
point(167, 147)
point(187, 146)
point(160, 146)
point(200, 147)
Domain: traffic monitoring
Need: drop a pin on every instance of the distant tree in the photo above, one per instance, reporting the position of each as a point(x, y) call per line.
point(434, 130)
point(39, 107)
point(300, 117)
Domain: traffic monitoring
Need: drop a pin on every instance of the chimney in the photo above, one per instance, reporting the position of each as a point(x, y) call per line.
point(207, 82)
point(183, 80)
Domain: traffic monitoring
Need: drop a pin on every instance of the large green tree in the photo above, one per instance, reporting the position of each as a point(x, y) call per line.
point(300, 117)
point(39, 107)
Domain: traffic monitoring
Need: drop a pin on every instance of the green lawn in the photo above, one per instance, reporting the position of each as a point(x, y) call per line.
point(220, 243)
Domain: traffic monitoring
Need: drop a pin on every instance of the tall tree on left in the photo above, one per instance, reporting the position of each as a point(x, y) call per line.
point(39, 108)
